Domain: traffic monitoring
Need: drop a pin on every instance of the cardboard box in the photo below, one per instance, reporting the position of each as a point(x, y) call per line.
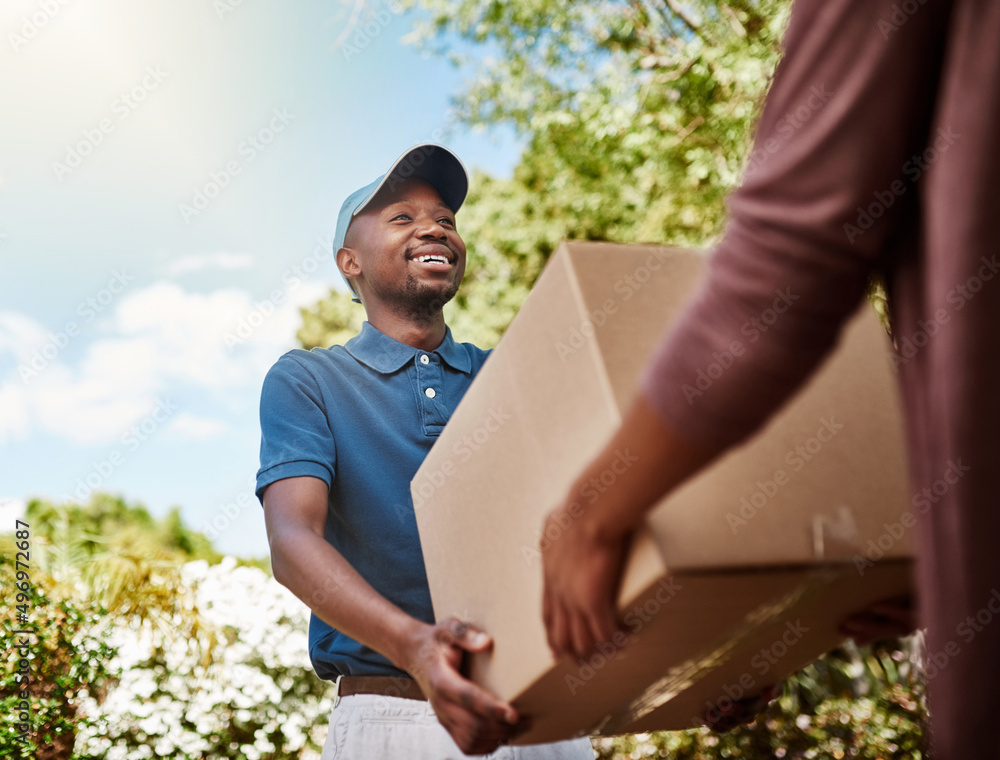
point(743, 574)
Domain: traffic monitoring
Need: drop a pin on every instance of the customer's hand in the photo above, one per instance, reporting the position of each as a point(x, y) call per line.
point(888, 618)
point(740, 711)
point(582, 571)
point(587, 536)
point(476, 720)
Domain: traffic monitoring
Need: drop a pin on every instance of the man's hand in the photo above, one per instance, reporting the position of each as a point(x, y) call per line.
point(476, 720)
point(582, 572)
point(295, 510)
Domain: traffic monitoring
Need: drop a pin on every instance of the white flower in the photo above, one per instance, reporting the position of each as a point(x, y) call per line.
point(269, 627)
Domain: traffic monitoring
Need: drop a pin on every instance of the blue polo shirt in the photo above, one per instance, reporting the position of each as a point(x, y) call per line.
point(361, 417)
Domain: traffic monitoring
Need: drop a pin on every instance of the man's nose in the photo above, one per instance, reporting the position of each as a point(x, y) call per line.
point(428, 226)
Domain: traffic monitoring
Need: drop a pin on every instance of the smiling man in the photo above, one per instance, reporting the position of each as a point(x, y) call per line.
point(344, 430)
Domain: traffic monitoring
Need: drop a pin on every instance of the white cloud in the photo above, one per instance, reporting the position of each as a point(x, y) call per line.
point(187, 425)
point(161, 342)
point(186, 330)
point(14, 418)
point(95, 404)
point(220, 260)
point(11, 510)
point(20, 336)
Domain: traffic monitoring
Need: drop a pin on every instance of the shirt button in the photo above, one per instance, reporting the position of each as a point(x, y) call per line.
point(424, 359)
point(430, 393)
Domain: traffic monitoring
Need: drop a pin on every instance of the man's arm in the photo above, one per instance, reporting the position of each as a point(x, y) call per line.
point(295, 512)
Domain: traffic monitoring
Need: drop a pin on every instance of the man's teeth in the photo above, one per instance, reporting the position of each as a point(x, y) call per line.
point(439, 259)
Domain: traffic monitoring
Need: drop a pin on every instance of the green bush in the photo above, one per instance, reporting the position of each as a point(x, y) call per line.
point(66, 661)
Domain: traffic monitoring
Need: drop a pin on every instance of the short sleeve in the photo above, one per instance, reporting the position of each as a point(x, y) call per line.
point(296, 437)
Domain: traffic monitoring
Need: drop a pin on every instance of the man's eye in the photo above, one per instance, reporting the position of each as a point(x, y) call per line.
point(400, 216)
point(446, 220)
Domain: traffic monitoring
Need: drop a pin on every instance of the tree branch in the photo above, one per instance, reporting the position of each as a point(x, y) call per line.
point(734, 20)
point(688, 22)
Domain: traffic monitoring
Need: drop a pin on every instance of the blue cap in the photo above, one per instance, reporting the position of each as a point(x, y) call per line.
point(430, 162)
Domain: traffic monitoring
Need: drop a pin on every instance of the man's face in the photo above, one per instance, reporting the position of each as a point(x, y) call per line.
point(411, 256)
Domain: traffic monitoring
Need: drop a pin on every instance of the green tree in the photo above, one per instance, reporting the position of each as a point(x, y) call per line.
point(636, 118)
point(117, 554)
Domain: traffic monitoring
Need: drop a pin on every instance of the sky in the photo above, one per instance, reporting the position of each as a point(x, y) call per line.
point(170, 176)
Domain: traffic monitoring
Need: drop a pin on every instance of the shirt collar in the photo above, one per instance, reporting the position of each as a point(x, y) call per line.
point(384, 354)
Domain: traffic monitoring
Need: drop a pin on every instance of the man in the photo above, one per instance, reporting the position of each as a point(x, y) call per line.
point(894, 170)
point(344, 430)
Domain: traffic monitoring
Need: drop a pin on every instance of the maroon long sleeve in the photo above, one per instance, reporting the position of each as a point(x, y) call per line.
point(877, 149)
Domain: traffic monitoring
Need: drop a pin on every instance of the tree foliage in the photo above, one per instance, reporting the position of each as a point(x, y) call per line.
point(636, 118)
point(117, 554)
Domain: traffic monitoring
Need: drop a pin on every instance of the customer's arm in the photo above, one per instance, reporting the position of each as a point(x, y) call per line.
point(295, 511)
point(829, 194)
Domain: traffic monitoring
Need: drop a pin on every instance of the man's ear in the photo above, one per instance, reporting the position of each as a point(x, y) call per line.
point(347, 263)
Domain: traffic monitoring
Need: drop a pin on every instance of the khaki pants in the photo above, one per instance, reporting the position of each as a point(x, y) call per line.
point(368, 727)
